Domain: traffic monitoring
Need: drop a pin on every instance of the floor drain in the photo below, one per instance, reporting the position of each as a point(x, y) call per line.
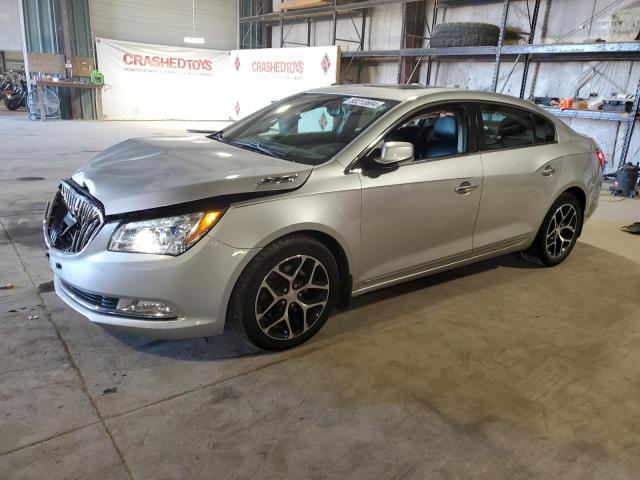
point(29, 179)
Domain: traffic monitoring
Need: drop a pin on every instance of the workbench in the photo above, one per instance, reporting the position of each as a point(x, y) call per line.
point(40, 84)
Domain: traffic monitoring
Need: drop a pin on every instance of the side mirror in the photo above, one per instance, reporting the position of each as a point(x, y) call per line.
point(395, 152)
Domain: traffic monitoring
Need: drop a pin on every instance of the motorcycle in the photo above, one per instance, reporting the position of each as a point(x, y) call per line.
point(15, 93)
point(5, 82)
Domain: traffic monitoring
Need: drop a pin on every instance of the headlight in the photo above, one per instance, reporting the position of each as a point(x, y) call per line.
point(163, 236)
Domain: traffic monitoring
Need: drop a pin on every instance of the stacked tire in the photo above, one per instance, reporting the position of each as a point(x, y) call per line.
point(464, 34)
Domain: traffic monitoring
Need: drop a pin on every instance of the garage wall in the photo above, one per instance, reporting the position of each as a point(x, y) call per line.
point(10, 39)
point(553, 79)
point(557, 79)
point(166, 22)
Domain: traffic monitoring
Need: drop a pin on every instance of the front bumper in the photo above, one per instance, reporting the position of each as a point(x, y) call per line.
point(195, 285)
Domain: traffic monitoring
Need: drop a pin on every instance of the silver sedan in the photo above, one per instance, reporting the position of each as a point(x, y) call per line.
point(272, 222)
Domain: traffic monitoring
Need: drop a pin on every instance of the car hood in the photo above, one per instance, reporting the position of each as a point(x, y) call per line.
point(145, 173)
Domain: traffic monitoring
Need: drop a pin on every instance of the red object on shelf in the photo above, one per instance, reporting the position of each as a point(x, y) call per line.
point(566, 104)
point(601, 158)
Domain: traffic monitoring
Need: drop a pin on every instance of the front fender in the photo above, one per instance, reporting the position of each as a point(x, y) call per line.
point(336, 214)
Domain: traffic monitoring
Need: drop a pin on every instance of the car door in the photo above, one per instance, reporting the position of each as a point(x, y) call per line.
point(423, 213)
point(521, 162)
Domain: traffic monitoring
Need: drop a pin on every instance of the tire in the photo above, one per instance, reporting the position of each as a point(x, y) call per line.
point(463, 34)
point(552, 244)
point(258, 303)
point(13, 103)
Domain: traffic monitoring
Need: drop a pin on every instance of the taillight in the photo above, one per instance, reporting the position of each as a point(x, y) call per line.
point(601, 158)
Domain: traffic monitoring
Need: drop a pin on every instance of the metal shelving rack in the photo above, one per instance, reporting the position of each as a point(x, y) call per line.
point(528, 52)
point(589, 114)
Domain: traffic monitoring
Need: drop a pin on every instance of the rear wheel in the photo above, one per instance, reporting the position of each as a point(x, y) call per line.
point(558, 234)
point(285, 294)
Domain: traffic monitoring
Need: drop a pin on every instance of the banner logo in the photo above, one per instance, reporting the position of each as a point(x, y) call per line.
point(294, 66)
point(166, 62)
point(326, 63)
point(237, 63)
point(323, 122)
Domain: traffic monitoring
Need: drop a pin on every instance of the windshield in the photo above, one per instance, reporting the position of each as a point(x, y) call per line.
point(308, 128)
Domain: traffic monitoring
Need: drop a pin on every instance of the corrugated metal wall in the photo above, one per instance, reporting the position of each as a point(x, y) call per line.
point(166, 22)
point(43, 26)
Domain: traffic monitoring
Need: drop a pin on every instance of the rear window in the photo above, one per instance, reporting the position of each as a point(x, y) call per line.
point(506, 127)
point(544, 129)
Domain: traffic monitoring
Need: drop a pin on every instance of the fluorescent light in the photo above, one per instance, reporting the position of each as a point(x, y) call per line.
point(194, 40)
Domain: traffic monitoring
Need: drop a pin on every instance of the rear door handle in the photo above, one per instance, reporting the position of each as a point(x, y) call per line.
point(548, 171)
point(465, 188)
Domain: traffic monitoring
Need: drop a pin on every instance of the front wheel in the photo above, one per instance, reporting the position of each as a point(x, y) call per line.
point(558, 234)
point(285, 294)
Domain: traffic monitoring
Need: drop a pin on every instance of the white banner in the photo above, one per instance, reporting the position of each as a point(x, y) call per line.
point(156, 82)
point(262, 76)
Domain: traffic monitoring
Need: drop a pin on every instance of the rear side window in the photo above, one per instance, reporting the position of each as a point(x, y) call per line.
point(506, 127)
point(544, 130)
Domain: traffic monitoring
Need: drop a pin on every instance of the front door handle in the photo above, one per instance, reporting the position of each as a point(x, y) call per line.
point(465, 188)
point(548, 171)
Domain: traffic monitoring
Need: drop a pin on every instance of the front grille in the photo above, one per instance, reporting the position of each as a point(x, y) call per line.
point(99, 301)
point(73, 220)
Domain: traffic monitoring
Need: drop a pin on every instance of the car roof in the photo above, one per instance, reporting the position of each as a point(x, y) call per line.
point(409, 92)
point(413, 91)
point(386, 92)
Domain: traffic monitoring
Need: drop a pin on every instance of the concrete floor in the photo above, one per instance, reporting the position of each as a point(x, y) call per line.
point(495, 371)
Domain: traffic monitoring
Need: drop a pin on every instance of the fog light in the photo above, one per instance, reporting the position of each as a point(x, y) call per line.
point(147, 309)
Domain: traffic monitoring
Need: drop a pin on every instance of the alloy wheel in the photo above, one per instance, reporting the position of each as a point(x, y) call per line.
point(292, 297)
point(561, 230)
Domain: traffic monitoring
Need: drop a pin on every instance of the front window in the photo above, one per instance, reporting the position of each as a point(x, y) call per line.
point(308, 128)
point(435, 132)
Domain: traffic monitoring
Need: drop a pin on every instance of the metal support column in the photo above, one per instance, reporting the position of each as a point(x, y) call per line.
point(66, 36)
point(68, 55)
point(308, 32)
point(631, 123)
point(362, 32)
point(403, 31)
point(434, 18)
point(532, 36)
point(334, 23)
point(503, 24)
point(281, 29)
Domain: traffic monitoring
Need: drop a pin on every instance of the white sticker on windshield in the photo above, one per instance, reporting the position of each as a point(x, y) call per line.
point(363, 102)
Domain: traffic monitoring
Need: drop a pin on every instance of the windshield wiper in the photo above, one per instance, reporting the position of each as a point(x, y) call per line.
point(198, 130)
point(255, 146)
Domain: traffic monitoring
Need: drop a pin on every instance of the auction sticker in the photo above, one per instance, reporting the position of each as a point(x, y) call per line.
point(363, 102)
